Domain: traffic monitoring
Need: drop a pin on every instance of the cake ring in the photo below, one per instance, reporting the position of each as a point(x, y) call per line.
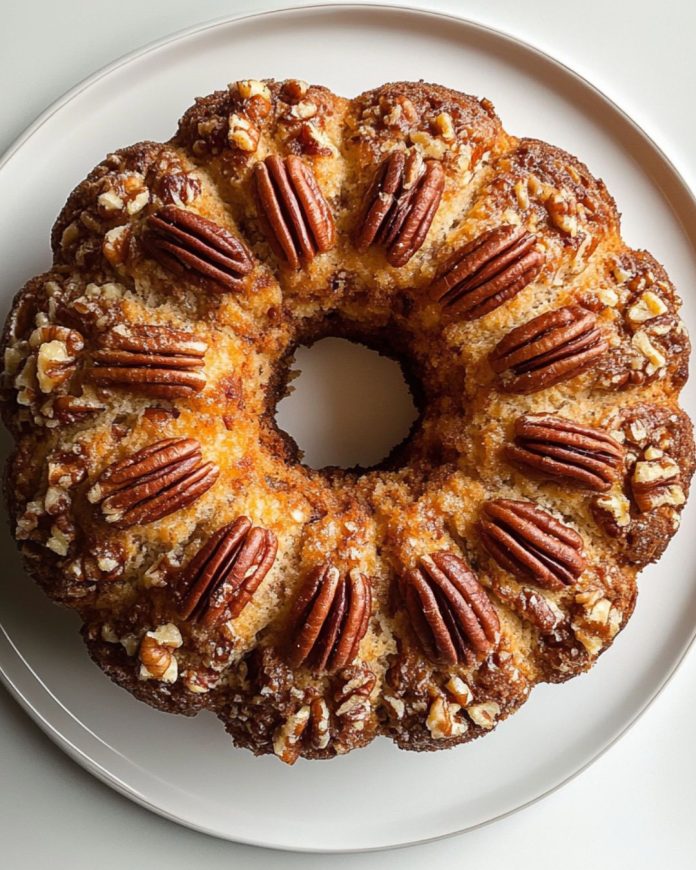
point(421, 599)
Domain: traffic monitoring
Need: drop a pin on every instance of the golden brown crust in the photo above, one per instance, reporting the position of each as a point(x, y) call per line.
point(461, 177)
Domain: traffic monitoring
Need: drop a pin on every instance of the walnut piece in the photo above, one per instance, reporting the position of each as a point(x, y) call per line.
point(157, 661)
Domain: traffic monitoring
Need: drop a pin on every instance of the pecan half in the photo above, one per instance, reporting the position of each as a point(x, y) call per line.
point(222, 577)
point(154, 360)
point(295, 216)
point(531, 544)
point(548, 349)
point(400, 205)
point(154, 482)
point(329, 619)
point(449, 610)
point(182, 241)
point(488, 271)
point(558, 448)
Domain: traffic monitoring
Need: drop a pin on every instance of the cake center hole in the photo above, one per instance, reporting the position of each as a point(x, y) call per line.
point(349, 406)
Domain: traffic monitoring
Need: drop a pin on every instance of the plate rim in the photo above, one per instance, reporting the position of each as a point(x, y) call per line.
point(52, 731)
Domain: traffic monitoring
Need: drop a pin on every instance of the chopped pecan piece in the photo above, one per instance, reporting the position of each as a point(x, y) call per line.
point(656, 481)
point(400, 205)
point(531, 544)
point(154, 360)
point(287, 739)
point(329, 619)
point(157, 659)
point(222, 577)
point(488, 271)
point(103, 562)
point(68, 409)
point(449, 610)
point(548, 349)
point(183, 241)
point(352, 697)
point(320, 735)
point(158, 480)
point(295, 215)
point(442, 720)
point(57, 349)
point(530, 605)
point(558, 448)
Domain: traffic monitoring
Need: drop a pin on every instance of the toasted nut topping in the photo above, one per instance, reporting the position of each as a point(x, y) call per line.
point(618, 506)
point(396, 706)
point(608, 296)
point(485, 714)
point(294, 89)
point(115, 244)
point(442, 721)
point(222, 577)
point(656, 482)
point(329, 619)
point(449, 610)
point(156, 481)
point(286, 741)
point(304, 110)
point(110, 201)
point(53, 365)
point(599, 612)
point(522, 194)
point(656, 359)
point(295, 216)
point(242, 133)
point(399, 113)
point(400, 205)
point(247, 88)
point(648, 306)
point(459, 690)
point(445, 126)
point(57, 349)
point(531, 544)
point(488, 271)
point(154, 360)
point(655, 473)
point(558, 448)
point(562, 213)
point(138, 202)
point(68, 409)
point(155, 654)
point(184, 242)
point(592, 643)
point(353, 699)
point(433, 147)
point(320, 720)
point(549, 349)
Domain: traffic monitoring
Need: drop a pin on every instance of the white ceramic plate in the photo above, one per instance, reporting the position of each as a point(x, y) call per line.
point(186, 769)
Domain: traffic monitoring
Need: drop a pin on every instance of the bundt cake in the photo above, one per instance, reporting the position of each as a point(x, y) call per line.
point(312, 610)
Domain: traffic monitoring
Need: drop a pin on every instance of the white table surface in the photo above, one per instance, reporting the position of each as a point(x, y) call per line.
point(635, 806)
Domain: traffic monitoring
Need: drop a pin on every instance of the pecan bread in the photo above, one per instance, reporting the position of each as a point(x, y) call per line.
point(422, 599)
